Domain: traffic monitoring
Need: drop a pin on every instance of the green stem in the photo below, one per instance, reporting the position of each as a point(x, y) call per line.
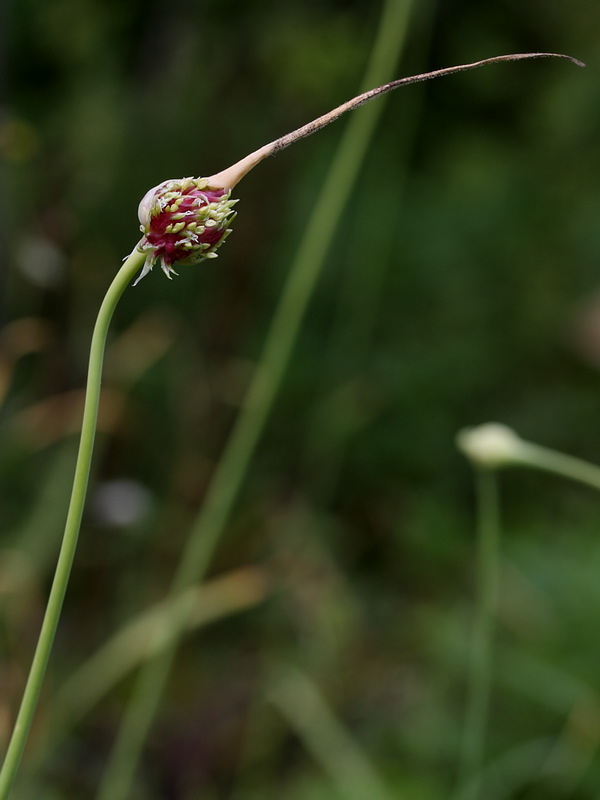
point(480, 664)
point(72, 526)
point(537, 457)
point(208, 528)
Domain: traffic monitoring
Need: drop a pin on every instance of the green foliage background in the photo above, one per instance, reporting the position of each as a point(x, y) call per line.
point(462, 287)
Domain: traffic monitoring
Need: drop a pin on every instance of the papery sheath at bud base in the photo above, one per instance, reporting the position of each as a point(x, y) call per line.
point(183, 221)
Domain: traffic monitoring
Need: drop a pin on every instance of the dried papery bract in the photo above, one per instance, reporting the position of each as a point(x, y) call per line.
point(186, 221)
point(229, 177)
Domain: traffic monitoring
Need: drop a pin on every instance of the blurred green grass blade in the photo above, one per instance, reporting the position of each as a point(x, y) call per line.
point(527, 768)
point(152, 631)
point(137, 641)
point(299, 701)
point(339, 411)
point(576, 746)
point(278, 348)
point(506, 775)
point(549, 684)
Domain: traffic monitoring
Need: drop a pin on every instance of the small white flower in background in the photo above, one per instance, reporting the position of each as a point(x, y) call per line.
point(491, 445)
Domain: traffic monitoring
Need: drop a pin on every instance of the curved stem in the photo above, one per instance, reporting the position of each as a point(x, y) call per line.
point(72, 526)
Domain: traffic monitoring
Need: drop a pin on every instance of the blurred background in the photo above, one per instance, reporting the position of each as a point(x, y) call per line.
point(462, 285)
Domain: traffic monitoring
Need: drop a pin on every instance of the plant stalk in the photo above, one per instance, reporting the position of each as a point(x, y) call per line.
point(39, 663)
point(480, 663)
point(552, 461)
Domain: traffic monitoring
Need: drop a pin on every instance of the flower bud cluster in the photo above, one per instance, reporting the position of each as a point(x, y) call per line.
point(183, 221)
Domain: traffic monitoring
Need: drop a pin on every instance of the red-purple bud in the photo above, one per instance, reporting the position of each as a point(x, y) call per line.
point(183, 221)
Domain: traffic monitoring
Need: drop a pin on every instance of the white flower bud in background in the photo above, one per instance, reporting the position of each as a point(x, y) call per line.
point(491, 445)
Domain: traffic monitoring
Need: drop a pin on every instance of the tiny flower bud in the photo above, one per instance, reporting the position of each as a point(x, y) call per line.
point(491, 445)
point(183, 221)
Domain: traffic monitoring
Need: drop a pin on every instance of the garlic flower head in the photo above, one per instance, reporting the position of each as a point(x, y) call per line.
point(183, 221)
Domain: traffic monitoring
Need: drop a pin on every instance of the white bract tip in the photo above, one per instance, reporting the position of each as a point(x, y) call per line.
point(147, 202)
